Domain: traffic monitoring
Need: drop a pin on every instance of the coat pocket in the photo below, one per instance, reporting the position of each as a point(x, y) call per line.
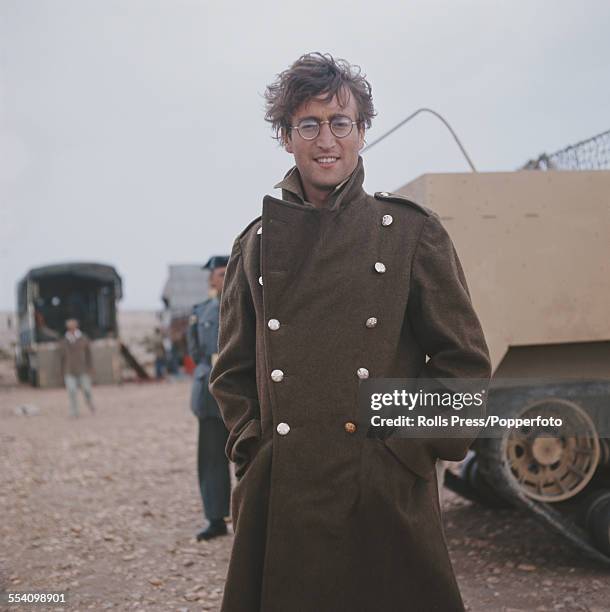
point(245, 447)
point(384, 477)
point(413, 454)
point(252, 487)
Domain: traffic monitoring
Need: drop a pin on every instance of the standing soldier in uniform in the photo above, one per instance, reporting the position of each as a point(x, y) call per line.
point(329, 287)
point(212, 464)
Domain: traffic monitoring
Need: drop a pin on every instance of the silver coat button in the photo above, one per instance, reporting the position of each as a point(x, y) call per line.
point(387, 220)
point(277, 376)
point(259, 231)
point(273, 324)
point(260, 280)
point(379, 267)
point(371, 322)
point(283, 428)
point(362, 373)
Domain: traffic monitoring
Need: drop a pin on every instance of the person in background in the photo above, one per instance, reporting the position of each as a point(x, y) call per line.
point(76, 365)
point(170, 357)
point(43, 331)
point(212, 462)
point(159, 349)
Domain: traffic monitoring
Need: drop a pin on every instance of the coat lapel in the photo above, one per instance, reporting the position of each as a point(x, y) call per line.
point(290, 226)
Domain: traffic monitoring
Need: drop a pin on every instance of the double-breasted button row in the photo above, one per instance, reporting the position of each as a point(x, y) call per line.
point(276, 375)
point(380, 268)
point(284, 429)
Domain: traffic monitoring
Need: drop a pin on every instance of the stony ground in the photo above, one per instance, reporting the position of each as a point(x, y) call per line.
point(105, 508)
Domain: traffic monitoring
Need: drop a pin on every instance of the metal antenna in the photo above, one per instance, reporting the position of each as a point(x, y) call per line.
point(411, 116)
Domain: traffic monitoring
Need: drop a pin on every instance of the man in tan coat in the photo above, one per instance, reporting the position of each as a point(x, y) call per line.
point(76, 365)
point(329, 287)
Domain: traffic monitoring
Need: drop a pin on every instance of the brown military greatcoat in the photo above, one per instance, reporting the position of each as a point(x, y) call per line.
point(325, 518)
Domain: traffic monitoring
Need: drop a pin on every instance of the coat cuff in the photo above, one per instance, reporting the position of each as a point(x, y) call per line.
point(413, 454)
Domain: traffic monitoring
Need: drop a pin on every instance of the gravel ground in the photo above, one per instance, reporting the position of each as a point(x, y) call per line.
point(105, 508)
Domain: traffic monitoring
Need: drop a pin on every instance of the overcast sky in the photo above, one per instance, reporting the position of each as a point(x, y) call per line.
point(132, 131)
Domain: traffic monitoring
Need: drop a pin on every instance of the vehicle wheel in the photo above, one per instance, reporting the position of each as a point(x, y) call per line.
point(597, 519)
point(544, 463)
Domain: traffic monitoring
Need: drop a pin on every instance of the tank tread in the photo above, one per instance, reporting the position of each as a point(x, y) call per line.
point(495, 475)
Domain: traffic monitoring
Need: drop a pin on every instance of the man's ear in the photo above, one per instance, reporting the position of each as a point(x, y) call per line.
point(360, 138)
point(287, 140)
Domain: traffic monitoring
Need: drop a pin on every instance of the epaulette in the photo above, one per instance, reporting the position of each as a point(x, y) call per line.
point(395, 197)
point(253, 222)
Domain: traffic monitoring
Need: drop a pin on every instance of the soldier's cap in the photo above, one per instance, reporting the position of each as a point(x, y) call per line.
point(216, 261)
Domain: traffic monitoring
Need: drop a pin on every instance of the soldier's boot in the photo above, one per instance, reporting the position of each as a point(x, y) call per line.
point(217, 527)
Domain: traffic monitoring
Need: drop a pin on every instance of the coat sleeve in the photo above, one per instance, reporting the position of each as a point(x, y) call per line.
point(233, 377)
point(447, 328)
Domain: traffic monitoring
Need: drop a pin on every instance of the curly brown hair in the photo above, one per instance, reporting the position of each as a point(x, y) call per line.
point(312, 75)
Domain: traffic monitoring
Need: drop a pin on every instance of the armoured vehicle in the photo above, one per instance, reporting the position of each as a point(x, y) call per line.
point(46, 298)
point(535, 247)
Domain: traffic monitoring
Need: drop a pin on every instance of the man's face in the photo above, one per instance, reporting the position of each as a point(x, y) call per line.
point(325, 161)
point(217, 279)
point(72, 325)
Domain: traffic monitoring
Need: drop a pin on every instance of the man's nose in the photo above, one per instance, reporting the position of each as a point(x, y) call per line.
point(326, 138)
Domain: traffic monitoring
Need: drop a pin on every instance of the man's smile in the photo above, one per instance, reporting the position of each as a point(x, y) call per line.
point(326, 161)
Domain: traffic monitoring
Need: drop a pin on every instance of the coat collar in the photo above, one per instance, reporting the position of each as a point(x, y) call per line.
point(345, 192)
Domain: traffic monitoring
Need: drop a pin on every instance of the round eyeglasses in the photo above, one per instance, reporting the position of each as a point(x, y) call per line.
point(309, 128)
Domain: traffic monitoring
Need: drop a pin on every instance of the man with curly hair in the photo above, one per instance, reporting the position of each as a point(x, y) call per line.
point(331, 286)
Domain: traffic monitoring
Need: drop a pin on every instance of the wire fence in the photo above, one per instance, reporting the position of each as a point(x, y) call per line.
point(590, 154)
